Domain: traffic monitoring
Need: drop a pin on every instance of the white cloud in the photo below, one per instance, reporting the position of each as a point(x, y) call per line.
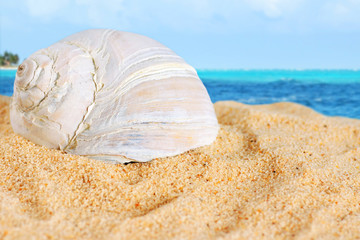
point(202, 15)
point(200, 28)
point(84, 12)
point(45, 8)
point(341, 14)
point(269, 7)
point(274, 8)
point(99, 13)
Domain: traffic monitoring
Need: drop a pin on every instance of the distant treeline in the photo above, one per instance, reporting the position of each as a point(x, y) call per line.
point(8, 59)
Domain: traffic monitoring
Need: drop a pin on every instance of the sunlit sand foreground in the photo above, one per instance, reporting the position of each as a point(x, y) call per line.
point(275, 171)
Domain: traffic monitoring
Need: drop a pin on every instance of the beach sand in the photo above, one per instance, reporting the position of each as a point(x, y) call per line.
point(278, 171)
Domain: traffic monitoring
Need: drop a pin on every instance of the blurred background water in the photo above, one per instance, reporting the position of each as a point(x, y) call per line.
point(330, 92)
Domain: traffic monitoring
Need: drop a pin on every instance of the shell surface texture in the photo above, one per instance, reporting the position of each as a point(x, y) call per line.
point(113, 96)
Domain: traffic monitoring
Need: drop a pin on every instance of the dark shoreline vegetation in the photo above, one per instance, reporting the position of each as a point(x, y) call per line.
point(8, 59)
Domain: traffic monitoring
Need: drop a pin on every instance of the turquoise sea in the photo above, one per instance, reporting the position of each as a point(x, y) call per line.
point(331, 92)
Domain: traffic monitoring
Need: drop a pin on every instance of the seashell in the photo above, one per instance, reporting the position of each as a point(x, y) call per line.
point(113, 96)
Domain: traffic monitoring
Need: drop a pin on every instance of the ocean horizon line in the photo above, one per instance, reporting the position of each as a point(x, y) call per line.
point(247, 69)
point(278, 69)
point(331, 92)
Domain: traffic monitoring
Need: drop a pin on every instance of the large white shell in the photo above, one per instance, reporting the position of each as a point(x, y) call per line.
point(114, 96)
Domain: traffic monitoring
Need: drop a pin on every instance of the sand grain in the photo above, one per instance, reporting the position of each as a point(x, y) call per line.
point(275, 171)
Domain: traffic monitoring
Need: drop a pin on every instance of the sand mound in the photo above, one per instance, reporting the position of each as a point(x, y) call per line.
point(275, 171)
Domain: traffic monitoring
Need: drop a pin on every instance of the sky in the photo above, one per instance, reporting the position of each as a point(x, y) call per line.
point(208, 34)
